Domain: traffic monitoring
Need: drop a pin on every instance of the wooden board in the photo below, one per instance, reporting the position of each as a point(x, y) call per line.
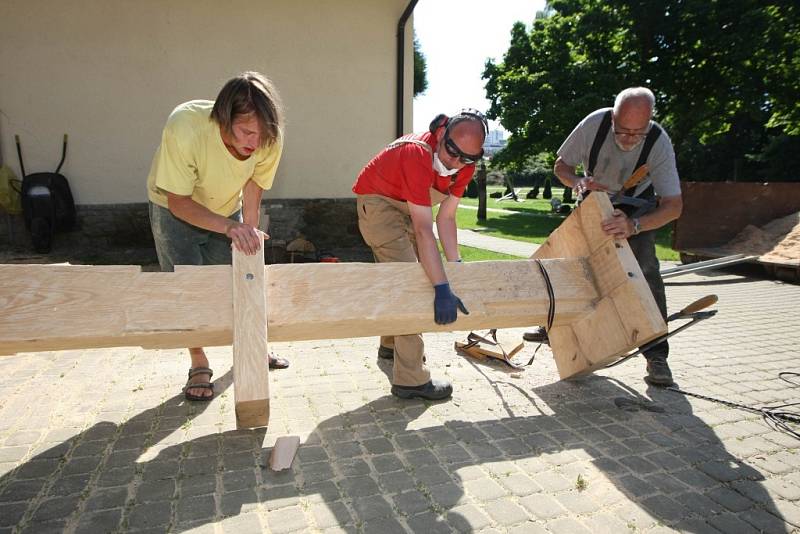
point(702, 233)
point(250, 356)
point(65, 307)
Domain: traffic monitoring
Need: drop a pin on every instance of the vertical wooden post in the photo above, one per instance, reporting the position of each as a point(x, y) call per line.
point(250, 356)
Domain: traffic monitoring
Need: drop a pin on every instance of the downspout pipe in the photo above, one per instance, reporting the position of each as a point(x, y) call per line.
point(401, 61)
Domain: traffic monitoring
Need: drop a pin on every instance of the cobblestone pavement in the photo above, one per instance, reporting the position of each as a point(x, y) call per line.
point(101, 440)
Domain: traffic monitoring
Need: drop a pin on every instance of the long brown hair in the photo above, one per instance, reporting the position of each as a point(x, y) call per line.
point(250, 92)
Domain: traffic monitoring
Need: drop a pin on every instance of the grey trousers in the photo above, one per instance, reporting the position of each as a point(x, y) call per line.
point(180, 243)
point(644, 249)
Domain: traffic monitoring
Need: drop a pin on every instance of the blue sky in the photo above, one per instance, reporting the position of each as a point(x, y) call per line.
point(457, 36)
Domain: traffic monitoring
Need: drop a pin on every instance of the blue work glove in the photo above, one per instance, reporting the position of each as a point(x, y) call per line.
point(446, 305)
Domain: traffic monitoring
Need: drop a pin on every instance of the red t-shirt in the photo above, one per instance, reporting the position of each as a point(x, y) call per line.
point(406, 173)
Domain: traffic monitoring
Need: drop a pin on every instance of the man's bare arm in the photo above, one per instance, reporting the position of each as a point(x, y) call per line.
point(446, 225)
point(245, 237)
point(429, 257)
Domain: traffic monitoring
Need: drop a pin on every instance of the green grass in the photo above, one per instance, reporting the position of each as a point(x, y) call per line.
point(664, 250)
point(537, 205)
point(537, 222)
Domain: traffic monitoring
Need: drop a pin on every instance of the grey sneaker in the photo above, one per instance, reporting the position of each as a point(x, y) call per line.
point(431, 390)
point(658, 372)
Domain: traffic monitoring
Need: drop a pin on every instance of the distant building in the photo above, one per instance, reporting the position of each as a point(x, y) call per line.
point(494, 142)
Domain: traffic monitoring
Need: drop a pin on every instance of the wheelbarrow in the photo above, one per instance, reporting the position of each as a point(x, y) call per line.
point(47, 203)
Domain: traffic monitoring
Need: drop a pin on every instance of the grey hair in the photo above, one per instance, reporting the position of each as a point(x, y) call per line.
point(635, 93)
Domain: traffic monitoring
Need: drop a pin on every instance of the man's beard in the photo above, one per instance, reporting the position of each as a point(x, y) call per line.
point(630, 148)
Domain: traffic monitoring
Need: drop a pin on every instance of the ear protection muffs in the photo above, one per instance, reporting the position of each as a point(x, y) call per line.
point(438, 121)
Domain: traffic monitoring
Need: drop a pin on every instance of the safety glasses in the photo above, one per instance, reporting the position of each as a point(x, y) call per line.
point(455, 152)
point(631, 134)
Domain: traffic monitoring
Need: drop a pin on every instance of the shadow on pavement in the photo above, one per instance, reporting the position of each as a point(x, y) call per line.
point(387, 460)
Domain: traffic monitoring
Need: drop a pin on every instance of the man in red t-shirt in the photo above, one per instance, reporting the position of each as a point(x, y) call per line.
point(396, 192)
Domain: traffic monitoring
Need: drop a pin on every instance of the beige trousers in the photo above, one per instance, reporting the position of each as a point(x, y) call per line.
point(386, 226)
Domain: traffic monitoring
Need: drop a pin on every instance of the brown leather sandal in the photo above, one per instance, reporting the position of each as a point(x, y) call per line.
point(194, 371)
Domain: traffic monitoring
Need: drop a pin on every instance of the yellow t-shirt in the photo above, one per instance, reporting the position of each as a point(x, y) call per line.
point(193, 160)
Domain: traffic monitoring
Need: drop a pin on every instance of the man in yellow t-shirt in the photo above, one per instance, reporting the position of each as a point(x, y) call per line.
point(205, 185)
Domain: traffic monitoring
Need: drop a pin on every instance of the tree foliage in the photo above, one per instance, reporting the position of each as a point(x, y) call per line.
point(726, 76)
point(420, 69)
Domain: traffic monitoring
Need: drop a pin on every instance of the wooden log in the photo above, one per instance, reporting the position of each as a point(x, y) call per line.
point(66, 307)
point(250, 355)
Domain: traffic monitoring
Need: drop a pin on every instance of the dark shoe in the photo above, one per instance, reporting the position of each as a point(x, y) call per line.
point(278, 363)
point(658, 372)
point(432, 390)
point(194, 371)
point(537, 336)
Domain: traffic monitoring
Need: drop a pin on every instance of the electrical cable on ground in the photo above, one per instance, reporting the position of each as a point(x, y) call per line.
point(776, 416)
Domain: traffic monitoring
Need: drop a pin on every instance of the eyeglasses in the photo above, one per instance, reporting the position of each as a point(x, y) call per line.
point(635, 135)
point(455, 152)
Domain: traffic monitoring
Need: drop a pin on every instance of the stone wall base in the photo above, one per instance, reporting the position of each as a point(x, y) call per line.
point(105, 231)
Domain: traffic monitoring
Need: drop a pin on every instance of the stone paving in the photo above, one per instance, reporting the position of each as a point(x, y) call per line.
point(101, 440)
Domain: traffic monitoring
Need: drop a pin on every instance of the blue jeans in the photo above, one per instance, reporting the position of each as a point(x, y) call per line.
point(180, 243)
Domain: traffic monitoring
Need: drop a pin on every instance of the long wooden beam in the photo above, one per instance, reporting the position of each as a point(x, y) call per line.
point(56, 307)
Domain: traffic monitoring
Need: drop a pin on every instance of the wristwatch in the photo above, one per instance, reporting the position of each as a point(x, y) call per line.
point(637, 227)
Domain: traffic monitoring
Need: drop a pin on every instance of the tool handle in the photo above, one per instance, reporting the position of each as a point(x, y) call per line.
point(699, 304)
point(636, 177)
point(695, 319)
point(63, 154)
point(19, 155)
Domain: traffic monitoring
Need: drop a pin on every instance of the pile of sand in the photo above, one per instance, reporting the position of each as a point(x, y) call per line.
point(777, 241)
